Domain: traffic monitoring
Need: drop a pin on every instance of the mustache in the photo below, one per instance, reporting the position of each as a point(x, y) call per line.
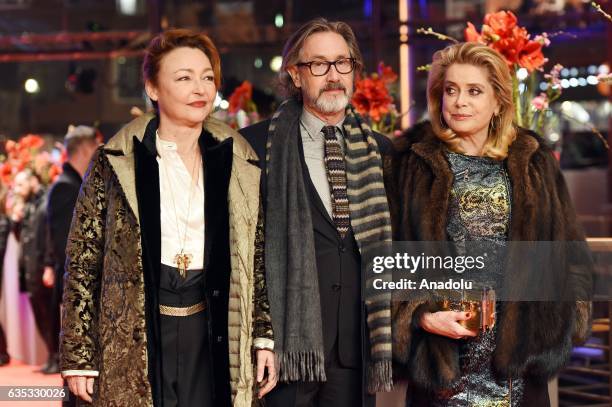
point(332, 86)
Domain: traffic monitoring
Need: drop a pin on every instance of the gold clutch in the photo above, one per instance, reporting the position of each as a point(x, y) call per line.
point(482, 309)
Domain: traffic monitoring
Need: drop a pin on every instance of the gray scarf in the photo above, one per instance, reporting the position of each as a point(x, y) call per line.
point(291, 271)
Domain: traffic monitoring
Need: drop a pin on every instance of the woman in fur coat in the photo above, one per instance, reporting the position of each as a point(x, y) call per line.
point(471, 175)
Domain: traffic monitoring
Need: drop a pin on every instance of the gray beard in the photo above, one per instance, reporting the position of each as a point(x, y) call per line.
point(332, 104)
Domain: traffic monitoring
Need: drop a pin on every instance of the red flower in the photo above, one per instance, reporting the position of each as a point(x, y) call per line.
point(54, 172)
point(531, 56)
point(6, 173)
point(386, 74)
point(240, 97)
point(502, 23)
point(471, 34)
point(501, 32)
point(10, 146)
point(32, 141)
point(371, 98)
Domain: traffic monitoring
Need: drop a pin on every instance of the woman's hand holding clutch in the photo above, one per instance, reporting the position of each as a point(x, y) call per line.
point(446, 323)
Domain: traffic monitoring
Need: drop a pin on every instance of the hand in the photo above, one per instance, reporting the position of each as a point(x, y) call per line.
point(81, 386)
point(266, 360)
point(445, 323)
point(48, 277)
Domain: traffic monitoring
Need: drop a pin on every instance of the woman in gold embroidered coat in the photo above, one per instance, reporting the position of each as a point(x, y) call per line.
point(113, 345)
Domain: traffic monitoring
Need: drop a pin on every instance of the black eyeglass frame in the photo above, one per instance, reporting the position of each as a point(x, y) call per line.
point(329, 65)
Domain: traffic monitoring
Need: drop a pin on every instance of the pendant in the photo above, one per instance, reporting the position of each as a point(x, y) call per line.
point(182, 261)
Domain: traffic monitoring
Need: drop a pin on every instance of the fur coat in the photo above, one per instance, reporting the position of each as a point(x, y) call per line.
point(533, 340)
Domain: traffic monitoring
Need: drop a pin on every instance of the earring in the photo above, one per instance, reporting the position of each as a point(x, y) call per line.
point(492, 124)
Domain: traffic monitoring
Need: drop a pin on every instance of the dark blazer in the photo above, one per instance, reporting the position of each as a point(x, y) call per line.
point(338, 264)
point(5, 231)
point(419, 183)
point(61, 201)
point(32, 235)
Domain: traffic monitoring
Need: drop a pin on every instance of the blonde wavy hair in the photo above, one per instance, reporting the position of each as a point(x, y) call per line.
point(502, 130)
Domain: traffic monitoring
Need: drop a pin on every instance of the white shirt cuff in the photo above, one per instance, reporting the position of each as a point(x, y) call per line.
point(89, 373)
point(263, 343)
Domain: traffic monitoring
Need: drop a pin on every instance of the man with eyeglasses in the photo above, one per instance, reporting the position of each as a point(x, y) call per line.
point(324, 198)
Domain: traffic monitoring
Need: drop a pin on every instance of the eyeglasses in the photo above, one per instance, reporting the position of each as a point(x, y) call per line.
point(320, 68)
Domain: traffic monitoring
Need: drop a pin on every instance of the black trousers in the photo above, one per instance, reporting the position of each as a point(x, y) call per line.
point(3, 351)
point(44, 317)
point(343, 388)
point(185, 348)
point(186, 376)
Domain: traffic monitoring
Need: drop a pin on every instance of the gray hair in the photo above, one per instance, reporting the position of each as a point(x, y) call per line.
point(76, 136)
point(291, 51)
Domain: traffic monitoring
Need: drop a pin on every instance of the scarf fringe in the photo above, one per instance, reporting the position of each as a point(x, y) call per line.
point(308, 366)
point(380, 376)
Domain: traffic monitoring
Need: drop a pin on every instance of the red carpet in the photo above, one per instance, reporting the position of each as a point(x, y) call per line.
point(18, 374)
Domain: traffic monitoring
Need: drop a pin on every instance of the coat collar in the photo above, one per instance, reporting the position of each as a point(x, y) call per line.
point(122, 142)
point(432, 149)
point(120, 150)
point(71, 172)
point(426, 145)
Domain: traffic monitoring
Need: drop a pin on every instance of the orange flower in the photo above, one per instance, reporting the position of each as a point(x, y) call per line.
point(471, 34)
point(501, 32)
point(240, 97)
point(6, 173)
point(531, 56)
point(10, 146)
point(371, 98)
point(502, 23)
point(54, 172)
point(386, 73)
point(32, 141)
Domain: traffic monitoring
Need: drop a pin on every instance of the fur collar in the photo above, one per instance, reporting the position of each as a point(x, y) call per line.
point(423, 142)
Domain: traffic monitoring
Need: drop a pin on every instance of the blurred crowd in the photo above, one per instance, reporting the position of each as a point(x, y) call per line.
point(40, 217)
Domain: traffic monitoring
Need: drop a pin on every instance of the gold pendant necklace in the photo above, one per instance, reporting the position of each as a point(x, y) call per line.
point(182, 259)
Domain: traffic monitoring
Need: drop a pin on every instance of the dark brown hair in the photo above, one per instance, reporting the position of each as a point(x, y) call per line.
point(291, 51)
point(170, 40)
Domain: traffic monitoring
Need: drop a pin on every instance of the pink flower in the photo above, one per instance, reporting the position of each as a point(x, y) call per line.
point(542, 39)
point(553, 75)
point(540, 102)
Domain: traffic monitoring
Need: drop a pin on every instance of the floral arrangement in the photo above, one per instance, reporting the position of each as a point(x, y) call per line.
point(374, 101)
point(525, 57)
point(28, 152)
point(242, 111)
point(501, 32)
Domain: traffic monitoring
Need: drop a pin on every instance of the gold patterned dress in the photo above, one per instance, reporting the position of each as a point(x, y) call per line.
point(480, 210)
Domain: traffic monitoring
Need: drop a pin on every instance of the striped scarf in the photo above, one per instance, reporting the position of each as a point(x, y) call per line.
point(291, 272)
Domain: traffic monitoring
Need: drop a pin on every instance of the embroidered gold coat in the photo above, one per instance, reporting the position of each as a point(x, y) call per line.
point(111, 314)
